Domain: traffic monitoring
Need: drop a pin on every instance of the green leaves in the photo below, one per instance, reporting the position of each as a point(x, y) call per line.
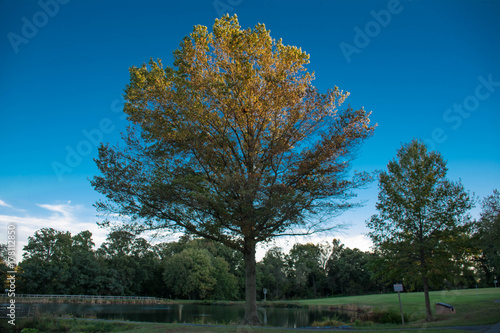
point(416, 197)
point(56, 263)
point(487, 237)
point(195, 273)
point(422, 222)
point(232, 141)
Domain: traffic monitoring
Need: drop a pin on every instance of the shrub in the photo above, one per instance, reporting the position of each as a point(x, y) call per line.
point(358, 322)
point(334, 321)
point(387, 317)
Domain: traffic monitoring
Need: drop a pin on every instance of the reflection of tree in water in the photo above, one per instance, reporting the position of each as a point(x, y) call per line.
point(180, 312)
point(190, 313)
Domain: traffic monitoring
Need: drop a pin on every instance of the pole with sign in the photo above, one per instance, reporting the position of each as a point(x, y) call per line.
point(398, 288)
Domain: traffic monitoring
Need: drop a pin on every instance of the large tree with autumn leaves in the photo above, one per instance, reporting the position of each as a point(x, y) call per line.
point(233, 143)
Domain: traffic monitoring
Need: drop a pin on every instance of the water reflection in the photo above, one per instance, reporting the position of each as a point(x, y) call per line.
point(190, 313)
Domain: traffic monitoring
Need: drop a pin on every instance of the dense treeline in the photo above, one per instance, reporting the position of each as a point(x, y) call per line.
point(56, 262)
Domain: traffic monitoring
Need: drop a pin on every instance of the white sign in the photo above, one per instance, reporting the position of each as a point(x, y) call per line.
point(398, 287)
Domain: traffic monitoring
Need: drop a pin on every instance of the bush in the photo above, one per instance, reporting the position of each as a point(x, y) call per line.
point(331, 322)
point(359, 322)
point(387, 317)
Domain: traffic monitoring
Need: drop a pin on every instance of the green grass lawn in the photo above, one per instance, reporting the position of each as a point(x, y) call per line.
point(234, 329)
point(472, 307)
point(82, 325)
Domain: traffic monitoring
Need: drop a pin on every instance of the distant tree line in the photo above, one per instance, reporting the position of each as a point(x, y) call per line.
point(56, 262)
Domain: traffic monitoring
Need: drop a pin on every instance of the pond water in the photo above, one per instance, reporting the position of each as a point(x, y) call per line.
point(192, 313)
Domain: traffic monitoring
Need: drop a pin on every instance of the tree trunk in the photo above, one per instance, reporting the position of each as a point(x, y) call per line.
point(251, 314)
point(425, 282)
point(423, 267)
point(428, 310)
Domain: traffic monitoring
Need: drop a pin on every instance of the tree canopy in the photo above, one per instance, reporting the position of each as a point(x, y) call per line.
point(488, 238)
point(422, 226)
point(233, 143)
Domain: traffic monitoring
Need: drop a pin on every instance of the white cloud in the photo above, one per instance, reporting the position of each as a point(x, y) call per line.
point(65, 217)
point(360, 242)
point(3, 203)
point(65, 209)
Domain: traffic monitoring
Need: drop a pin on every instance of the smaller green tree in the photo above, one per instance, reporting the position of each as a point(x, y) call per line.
point(196, 273)
point(189, 274)
point(48, 244)
point(306, 269)
point(348, 272)
point(131, 264)
point(271, 273)
point(47, 262)
point(85, 270)
point(422, 221)
point(226, 286)
point(488, 238)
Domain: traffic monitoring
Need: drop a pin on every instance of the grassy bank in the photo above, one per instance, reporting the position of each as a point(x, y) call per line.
point(50, 324)
point(472, 307)
point(83, 325)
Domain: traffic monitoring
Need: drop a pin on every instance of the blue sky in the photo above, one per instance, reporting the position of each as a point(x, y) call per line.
point(426, 69)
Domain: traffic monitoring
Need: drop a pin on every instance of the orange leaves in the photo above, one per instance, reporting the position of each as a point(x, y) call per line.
point(239, 108)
